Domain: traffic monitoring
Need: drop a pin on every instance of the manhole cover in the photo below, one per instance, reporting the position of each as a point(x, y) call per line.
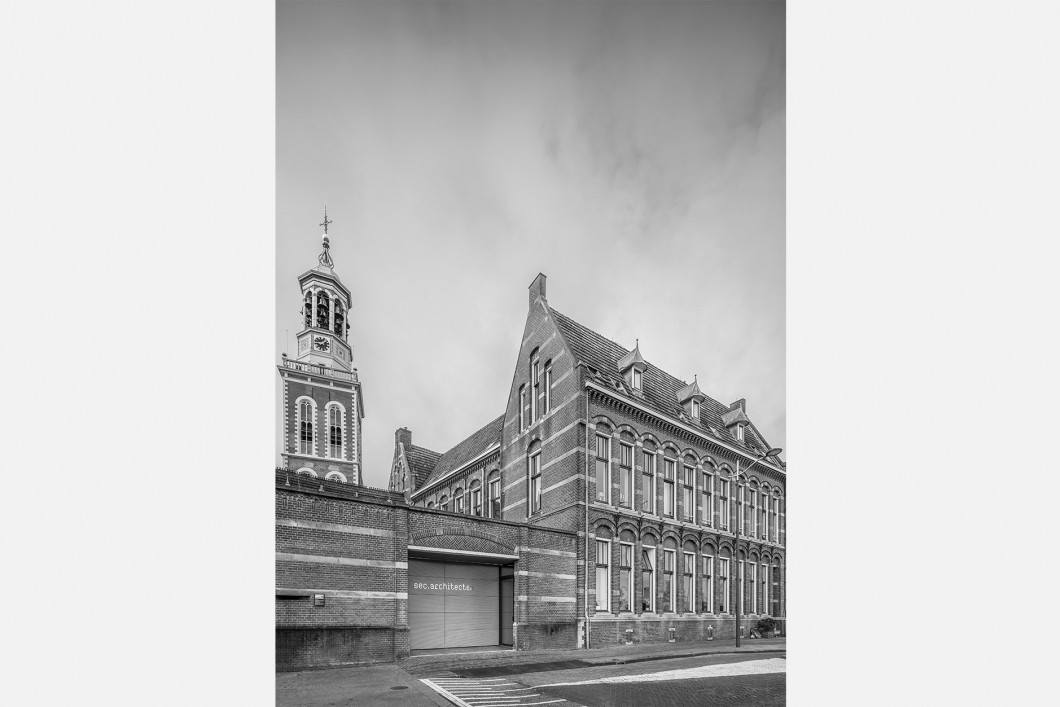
point(400, 687)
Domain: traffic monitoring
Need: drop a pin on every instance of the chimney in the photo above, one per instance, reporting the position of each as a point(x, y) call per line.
point(537, 288)
point(403, 436)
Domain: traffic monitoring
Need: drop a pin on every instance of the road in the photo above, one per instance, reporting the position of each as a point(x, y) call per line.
point(721, 679)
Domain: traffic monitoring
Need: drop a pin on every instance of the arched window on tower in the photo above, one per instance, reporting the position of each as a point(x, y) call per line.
point(307, 309)
point(334, 432)
point(340, 320)
point(323, 310)
point(305, 427)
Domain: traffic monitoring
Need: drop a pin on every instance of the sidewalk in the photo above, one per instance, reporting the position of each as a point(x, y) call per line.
point(441, 664)
point(370, 686)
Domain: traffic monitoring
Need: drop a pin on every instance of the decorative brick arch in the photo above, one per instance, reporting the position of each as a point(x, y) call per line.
point(461, 537)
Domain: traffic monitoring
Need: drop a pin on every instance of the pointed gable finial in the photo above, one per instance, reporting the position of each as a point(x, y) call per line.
point(325, 257)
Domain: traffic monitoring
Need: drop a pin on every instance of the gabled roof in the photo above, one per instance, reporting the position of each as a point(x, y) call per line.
point(733, 416)
point(660, 389)
point(421, 463)
point(470, 448)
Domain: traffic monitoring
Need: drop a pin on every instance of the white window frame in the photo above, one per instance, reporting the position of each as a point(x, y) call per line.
point(688, 492)
point(739, 433)
point(535, 387)
point(670, 560)
point(695, 410)
point(742, 597)
point(670, 487)
point(629, 579)
point(627, 474)
point(725, 512)
point(493, 484)
point(635, 380)
point(649, 461)
point(342, 429)
point(458, 501)
point(533, 463)
point(476, 492)
point(307, 471)
point(725, 570)
point(775, 505)
point(690, 599)
point(654, 558)
point(707, 494)
point(312, 425)
point(548, 387)
point(740, 508)
point(596, 456)
point(752, 506)
point(606, 594)
point(754, 586)
point(708, 583)
point(763, 579)
point(522, 407)
point(335, 475)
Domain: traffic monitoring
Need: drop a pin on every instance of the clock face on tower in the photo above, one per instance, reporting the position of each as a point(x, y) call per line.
point(321, 344)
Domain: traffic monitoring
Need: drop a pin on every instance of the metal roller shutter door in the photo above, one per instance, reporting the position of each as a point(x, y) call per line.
point(453, 604)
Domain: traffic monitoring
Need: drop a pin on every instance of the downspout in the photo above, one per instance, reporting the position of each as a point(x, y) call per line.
point(585, 562)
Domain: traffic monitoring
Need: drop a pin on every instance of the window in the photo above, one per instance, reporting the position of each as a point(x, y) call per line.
point(647, 580)
point(763, 515)
point(708, 584)
point(535, 383)
point(603, 468)
point(534, 474)
point(752, 512)
point(458, 501)
point(430, 504)
point(444, 503)
point(305, 427)
point(753, 587)
point(522, 408)
point(335, 432)
point(741, 589)
point(687, 497)
point(625, 577)
point(495, 498)
point(625, 475)
point(724, 577)
point(669, 466)
point(739, 433)
point(695, 410)
point(647, 481)
point(668, 580)
point(636, 382)
point(708, 499)
point(739, 508)
point(476, 501)
point(548, 386)
point(689, 584)
point(763, 594)
point(335, 476)
point(773, 509)
point(603, 574)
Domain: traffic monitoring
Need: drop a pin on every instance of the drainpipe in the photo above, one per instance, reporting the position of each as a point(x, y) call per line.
point(585, 564)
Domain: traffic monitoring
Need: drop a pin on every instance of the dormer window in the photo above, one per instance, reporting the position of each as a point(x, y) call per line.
point(738, 431)
point(690, 397)
point(635, 382)
point(695, 410)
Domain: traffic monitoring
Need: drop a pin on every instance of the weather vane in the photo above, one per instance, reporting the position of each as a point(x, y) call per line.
point(325, 257)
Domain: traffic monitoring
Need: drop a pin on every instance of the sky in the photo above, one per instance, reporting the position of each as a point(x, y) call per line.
point(632, 152)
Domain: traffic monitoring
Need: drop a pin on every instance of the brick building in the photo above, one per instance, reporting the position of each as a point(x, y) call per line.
point(600, 507)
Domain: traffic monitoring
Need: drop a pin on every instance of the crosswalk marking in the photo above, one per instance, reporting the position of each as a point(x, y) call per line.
point(490, 692)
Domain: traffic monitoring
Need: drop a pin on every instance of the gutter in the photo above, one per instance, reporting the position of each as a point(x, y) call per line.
point(681, 425)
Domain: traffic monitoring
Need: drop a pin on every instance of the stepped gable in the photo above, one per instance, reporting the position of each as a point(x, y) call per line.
point(660, 389)
point(477, 443)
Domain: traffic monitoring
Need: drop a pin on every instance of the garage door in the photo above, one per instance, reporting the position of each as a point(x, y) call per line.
point(453, 604)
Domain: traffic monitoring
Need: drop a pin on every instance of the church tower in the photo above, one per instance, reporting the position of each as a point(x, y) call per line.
point(322, 400)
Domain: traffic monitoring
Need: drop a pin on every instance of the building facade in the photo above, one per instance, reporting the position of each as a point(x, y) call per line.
point(609, 503)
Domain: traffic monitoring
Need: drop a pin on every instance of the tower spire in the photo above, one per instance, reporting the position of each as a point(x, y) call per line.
point(325, 257)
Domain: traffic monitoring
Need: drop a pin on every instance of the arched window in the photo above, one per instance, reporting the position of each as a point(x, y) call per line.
point(306, 414)
point(306, 471)
point(458, 501)
point(340, 319)
point(307, 309)
point(323, 309)
point(444, 503)
point(475, 490)
point(335, 476)
point(335, 414)
point(430, 504)
point(535, 384)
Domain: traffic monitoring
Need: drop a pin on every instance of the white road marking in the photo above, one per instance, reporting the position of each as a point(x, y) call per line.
point(750, 667)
